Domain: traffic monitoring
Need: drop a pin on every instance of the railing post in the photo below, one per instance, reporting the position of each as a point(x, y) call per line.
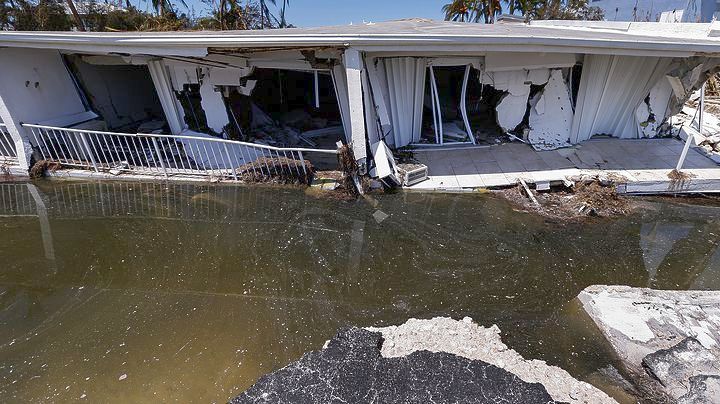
point(302, 161)
point(86, 145)
point(157, 153)
point(227, 152)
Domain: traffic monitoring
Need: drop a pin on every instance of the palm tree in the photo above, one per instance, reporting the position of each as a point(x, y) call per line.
point(76, 15)
point(525, 7)
point(472, 10)
point(458, 10)
point(283, 22)
point(491, 9)
point(164, 6)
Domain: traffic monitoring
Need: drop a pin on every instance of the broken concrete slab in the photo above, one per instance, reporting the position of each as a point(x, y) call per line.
point(702, 390)
point(675, 366)
point(659, 336)
point(640, 321)
point(470, 340)
point(351, 369)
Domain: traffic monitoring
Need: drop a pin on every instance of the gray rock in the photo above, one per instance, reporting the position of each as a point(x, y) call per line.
point(703, 389)
point(674, 367)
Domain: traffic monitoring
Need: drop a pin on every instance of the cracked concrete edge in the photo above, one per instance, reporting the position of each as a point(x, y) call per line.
point(639, 321)
point(469, 340)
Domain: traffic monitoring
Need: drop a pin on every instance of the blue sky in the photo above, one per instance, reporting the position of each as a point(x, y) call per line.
point(311, 13)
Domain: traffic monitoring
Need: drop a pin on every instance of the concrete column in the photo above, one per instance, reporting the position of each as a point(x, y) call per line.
point(18, 134)
point(163, 87)
point(353, 71)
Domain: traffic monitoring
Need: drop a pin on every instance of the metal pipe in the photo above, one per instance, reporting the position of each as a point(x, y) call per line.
point(317, 89)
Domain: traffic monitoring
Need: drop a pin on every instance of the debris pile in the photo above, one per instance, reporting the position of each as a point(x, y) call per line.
point(349, 183)
point(40, 168)
point(686, 123)
point(584, 199)
point(293, 128)
point(279, 170)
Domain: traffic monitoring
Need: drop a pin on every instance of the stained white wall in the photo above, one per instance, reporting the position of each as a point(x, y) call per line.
point(53, 96)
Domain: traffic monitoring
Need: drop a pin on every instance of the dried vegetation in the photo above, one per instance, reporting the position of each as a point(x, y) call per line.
point(278, 170)
point(585, 199)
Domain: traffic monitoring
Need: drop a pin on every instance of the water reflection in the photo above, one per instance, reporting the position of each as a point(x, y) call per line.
point(194, 291)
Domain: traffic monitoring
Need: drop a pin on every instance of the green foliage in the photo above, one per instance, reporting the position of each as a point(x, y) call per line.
point(45, 15)
point(53, 15)
point(488, 10)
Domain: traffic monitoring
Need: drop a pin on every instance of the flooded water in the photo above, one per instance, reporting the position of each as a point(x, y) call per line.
point(151, 292)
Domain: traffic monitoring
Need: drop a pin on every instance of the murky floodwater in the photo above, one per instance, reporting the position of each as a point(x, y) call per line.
point(148, 292)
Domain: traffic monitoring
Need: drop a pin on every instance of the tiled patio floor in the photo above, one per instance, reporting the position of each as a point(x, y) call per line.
point(641, 162)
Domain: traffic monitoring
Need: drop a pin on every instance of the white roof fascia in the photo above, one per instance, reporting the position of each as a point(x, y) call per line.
point(641, 39)
point(464, 50)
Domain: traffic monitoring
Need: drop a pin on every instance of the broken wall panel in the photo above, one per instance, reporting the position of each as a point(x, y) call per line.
point(611, 89)
point(551, 115)
point(512, 108)
point(652, 112)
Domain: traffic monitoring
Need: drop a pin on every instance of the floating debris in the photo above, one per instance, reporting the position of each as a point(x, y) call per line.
point(279, 170)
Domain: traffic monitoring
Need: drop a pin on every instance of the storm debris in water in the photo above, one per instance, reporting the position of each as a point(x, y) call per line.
point(40, 168)
point(585, 199)
point(279, 170)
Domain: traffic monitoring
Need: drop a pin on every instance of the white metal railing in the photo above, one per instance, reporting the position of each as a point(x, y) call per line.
point(168, 155)
point(8, 153)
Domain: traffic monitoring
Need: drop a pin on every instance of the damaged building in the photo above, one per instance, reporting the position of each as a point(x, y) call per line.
point(462, 105)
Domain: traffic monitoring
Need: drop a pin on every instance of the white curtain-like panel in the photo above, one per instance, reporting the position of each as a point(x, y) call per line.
point(611, 88)
point(341, 92)
point(405, 79)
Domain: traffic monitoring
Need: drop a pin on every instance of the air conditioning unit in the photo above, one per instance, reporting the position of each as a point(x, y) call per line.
point(413, 173)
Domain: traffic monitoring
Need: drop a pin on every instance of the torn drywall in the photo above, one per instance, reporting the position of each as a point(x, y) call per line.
point(214, 106)
point(551, 115)
point(512, 107)
point(652, 112)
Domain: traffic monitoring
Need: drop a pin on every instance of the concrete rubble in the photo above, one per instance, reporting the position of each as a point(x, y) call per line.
point(668, 341)
point(469, 340)
point(438, 360)
point(686, 123)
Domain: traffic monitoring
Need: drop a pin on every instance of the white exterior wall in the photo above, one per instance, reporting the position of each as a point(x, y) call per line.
point(54, 95)
point(34, 86)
